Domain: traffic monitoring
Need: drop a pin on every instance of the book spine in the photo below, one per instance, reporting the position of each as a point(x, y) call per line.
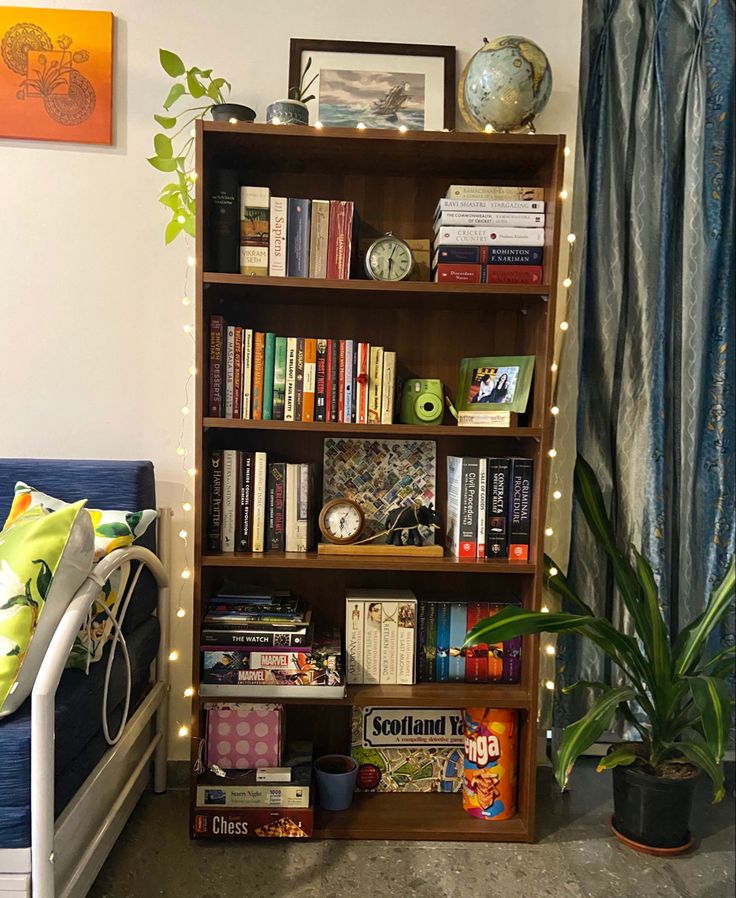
point(320, 398)
point(476, 657)
point(497, 508)
point(217, 325)
point(442, 658)
point(495, 652)
point(277, 237)
point(259, 341)
point(243, 531)
point(299, 380)
point(520, 501)
point(430, 642)
point(372, 642)
point(421, 644)
point(364, 357)
point(259, 501)
point(375, 385)
point(292, 491)
point(406, 644)
point(354, 398)
point(354, 616)
point(482, 502)
point(229, 499)
point(268, 365)
point(229, 370)
point(466, 205)
point(513, 274)
point(458, 629)
point(467, 219)
point(256, 639)
point(348, 401)
point(339, 242)
point(515, 255)
point(389, 641)
point(341, 383)
point(254, 230)
point(214, 521)
point(334, 375)
point(453, 273)
point(297, 229)
point(224, 222)
point(388, 387)
point(486, 192)
point(484, 419)
point(310, 376)
point(279, 379)
point(238, 373)
point(462, 506)
point(290, 388)
point(305, 518)
point(276, 504)
point(318, 238)
point(247, 371)
point(488, 236)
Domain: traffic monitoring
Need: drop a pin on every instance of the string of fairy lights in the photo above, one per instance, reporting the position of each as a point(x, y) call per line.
point(548, 647)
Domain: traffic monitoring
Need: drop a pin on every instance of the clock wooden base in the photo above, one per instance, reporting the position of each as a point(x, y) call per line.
point(381, 550)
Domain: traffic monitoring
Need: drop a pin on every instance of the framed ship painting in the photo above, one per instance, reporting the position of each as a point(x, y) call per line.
point(378, 85)
point(56, 74)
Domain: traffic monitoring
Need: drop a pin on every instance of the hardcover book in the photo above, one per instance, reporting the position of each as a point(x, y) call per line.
point(217, 332)
point(491, 255)
point(297, 228)
point(468, 219)
point(497, 508)
point(277, 247)
point(246, 640)
point(254, 230)
point(458, 629)
point(214, 519)
point(279, 378)
point(468, 273)
point(401, 472)
point(462, 506)
point(268, 375)
point(520, 500)
point(488, 192)
point(224, 222)
point(244, 512)
point(259, 501)
point(468, 205)
point(442, 649)
point(230, 497)
point(318, 238)
point(276, 499)
point(340, 238)
point(486, 236)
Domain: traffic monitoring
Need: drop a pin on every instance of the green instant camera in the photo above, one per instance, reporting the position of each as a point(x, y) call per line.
point(422, 401)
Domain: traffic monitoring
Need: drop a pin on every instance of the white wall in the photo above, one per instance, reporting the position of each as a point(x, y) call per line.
point(92, 352)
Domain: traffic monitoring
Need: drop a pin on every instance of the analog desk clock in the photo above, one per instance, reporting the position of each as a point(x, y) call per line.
point(388, 259)
point(341, 521)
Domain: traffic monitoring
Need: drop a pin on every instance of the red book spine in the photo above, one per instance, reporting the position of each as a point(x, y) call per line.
point(495, 651)
point(339, 239)
point(328, 382)
point(341, 385)
point(259, 341)
point(238, 374)
point(476, 657)
point(450, 272)
point(513, 274)
point(216, 330)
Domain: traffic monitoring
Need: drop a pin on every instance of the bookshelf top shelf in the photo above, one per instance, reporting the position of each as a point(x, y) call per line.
point(398, 431)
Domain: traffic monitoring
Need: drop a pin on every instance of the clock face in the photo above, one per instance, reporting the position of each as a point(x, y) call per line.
point(389, 259)
point(341, 521)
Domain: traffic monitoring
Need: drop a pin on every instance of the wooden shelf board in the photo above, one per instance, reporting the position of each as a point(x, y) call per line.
point(431, 816)
point(420, 695)
point(398, 431)
point(313, 561)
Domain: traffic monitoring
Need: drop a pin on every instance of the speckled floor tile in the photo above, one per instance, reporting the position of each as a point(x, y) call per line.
point(575, 857)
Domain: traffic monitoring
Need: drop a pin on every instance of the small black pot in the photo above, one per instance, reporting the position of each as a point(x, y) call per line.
point(651, 810)
point(223, 112)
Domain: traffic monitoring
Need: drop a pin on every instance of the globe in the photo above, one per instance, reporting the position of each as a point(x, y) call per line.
point(505, 84)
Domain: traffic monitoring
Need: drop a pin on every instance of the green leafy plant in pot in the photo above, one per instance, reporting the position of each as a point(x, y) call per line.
point(673, 694)
point(294, 110)
point(200, 92)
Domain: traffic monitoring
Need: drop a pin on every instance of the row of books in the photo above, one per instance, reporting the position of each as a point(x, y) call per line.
point(441, 631)
point(486, 234)
point(261, 376)
point(257, 506)
point(254, 233)
point(380, 636)
point(489, 507)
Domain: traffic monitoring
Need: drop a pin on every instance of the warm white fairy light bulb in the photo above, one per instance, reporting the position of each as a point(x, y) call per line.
point(186, 506)
point(275, 120)
point(563, 194)
point(403, 129)
point(567, 282)
point(233, 121)
point(549, 531)
point(191, 261)
point(318, 125)
point(186, 574)
point(567, 151)
point(180, 450)
point(545, 609)
point(189, 692)
point(183, 731)
point(571, 238)
point(192, 472)
point(187, 328)
point(185, 301)
point(192, 370)
point(554, 410)
point(549, 685)
point(488, 128)
point(360, 126)
point(183, 534)
point(564, 325)
point(550, 649)
point(557, 494)
point(181, 613)
point(173, 655)
point(553, 572)
point(552, 453)
point(180, 219)
point(553, 367)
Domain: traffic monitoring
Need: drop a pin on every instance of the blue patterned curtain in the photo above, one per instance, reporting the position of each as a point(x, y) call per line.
point(655, 305)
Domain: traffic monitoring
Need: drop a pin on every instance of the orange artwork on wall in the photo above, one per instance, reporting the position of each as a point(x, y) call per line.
point(56, 74)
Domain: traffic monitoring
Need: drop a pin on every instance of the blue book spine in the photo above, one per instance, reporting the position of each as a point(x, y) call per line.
point(491, 255)
point(458, 629)
point(442, 660)
point(297, 230)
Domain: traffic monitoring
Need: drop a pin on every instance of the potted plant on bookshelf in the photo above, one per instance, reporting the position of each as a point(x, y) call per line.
point(673, 695)
point(293, 111)
point(174, 145)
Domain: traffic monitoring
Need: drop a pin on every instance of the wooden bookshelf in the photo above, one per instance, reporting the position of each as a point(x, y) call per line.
point(395, 181)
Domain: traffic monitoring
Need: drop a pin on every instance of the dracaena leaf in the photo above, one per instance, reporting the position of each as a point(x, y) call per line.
point(558, 584)
point(712, 699)
point(171, 63)
point(692, 641)
point(702, 757)
point(621, 756)
point(658, 648)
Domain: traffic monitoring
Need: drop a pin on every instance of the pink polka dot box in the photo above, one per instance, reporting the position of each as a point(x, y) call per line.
point(240, 737)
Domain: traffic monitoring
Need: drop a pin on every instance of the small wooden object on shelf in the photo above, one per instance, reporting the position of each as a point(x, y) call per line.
point(381, 551)
point(394, 180)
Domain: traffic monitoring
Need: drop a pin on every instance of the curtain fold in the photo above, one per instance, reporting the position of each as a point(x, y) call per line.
point(654, 310)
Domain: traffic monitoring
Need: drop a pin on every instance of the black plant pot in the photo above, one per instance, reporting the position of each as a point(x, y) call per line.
point(224, 112)
point(652, 812)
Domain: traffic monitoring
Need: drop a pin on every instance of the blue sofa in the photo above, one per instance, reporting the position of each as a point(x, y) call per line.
point(80, 745)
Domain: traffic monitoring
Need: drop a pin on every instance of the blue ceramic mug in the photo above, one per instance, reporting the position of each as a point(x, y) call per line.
point(336, 776)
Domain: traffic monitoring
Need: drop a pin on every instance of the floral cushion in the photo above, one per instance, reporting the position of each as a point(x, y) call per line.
point(112, 530)
point(44, 558)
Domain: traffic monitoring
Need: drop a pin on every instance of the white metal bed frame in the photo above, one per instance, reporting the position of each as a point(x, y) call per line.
point(66, 855)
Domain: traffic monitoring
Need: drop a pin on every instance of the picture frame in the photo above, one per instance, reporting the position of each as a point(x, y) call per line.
point(495, 384)
point(379, 85)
